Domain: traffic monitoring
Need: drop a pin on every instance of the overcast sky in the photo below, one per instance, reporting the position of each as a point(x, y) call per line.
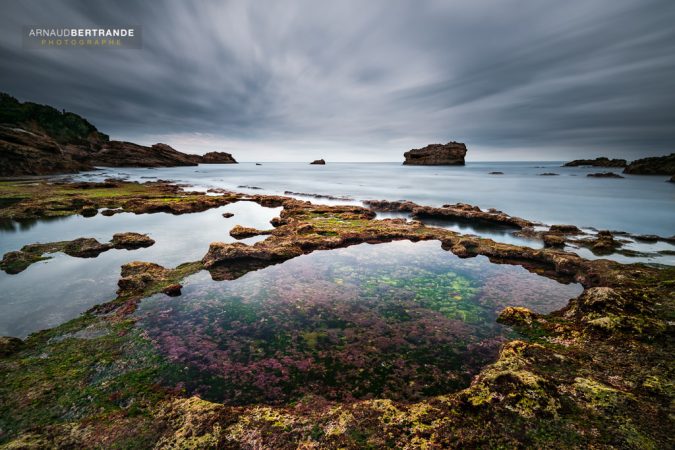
point(363, 80)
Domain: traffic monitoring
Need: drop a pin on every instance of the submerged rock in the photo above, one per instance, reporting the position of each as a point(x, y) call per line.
point(597, 162)
point(517, 316)
point(450, 154)
point(173, 290)
point(548, 174)
point(227, 215)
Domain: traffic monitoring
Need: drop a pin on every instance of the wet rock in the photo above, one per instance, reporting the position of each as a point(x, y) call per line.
point(458, 211)
point(137, 276)
point(173, 290)
point(17, 261)
point(109, 212)
point(565, 229)
point(597, 162)
point(605, 243)
point(517, 316)
point(329, 197)
point(220, 252)
point(85, 248)
point(548, 174)
point(320, 162)
point(496, 173)
point(452, 154)
point(554, 240)
point(9, 345)
point(88, 211)
point(239, 232)
point(227, 215)
point(131, 241)
point(647, 238)
point(604, 175)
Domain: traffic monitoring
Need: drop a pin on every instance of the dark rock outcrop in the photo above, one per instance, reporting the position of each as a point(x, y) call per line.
point(554, 240)
point(604, 175)
point(128, 154)
point(450, 154)
point(38, 140)
point(319, 162)
point(239, 232)
point(9, 345)
point(597, 162)
point(131, 241)
point(217, 158)
point(658, 165)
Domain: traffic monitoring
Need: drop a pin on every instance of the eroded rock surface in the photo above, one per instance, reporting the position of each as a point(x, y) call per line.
point(450, 154)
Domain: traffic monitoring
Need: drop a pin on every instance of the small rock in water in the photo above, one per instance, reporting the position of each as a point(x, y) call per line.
point(604, 175)
point(173, 290)
point(227, 215)
point(496, 173)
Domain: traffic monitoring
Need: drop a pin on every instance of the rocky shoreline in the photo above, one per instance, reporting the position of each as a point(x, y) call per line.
point(38, 140)
point(592, 374)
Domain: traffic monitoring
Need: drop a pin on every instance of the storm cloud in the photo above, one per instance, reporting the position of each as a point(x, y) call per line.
point(363, 80)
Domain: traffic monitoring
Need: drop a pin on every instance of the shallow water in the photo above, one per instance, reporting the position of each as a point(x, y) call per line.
point(50, 292)
point(401, 320)
point(637, 204)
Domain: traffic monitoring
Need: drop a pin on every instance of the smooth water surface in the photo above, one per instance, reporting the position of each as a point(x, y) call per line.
point(637, 204)
point(401, 320)
point(50, 292)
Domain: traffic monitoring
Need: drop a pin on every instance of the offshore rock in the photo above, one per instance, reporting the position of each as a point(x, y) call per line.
point(450, 154)
point(658, 165)
point(604, 175)
point(597, 162)
point(217, 158)
point(320, 162)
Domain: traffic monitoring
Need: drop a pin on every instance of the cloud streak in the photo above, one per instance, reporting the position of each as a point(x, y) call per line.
point(356, 80)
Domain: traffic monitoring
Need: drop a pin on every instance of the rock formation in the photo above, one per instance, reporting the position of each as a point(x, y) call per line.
point(320, 162)
point(604, 175)
point(217, 158)
point(450, 154)
point(38, 139)
point(597, 162)
point(658, 165)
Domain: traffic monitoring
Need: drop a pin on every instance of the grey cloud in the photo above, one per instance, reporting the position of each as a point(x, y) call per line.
point(536, 79)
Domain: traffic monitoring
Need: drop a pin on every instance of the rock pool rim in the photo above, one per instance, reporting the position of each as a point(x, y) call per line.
point(531, 387)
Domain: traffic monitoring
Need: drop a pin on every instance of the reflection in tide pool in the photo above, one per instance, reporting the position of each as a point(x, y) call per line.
point(50, 292)
point(398, 320)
